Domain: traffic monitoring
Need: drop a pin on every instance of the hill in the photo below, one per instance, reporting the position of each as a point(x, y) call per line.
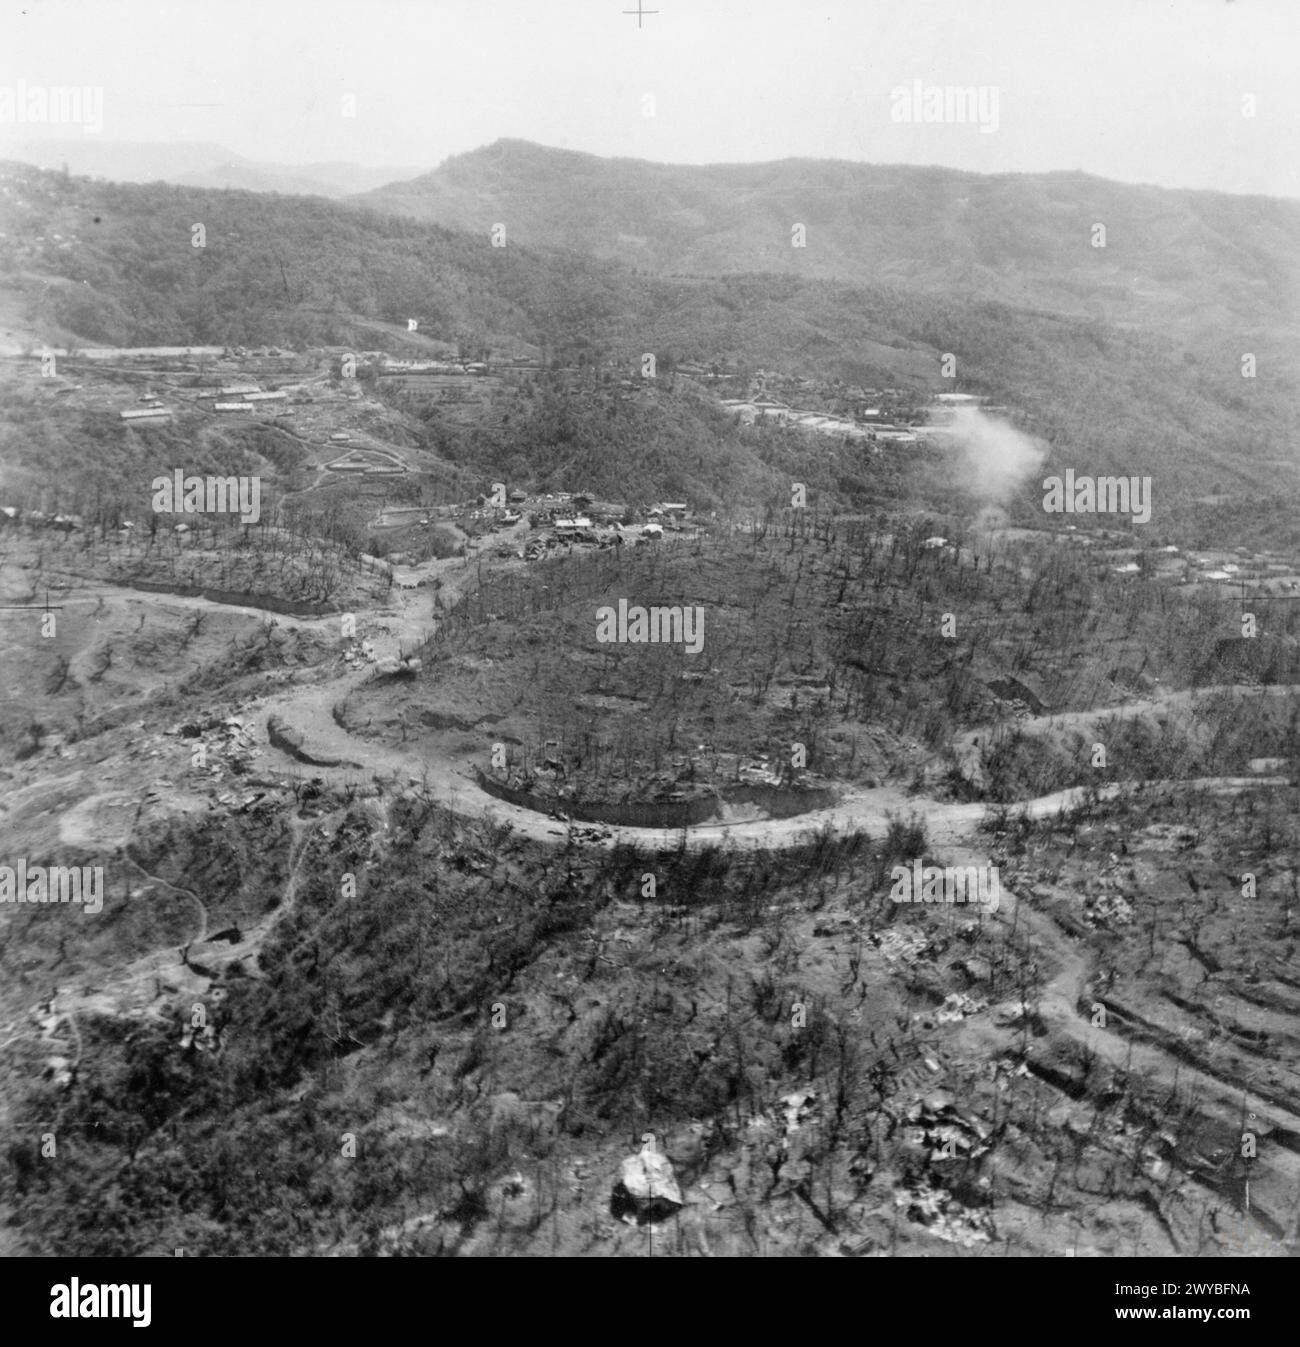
point(114, 264)
point(194, 164)
point(348, 1012)
point(1183, 261)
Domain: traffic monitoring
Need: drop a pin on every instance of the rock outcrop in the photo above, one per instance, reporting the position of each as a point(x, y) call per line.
point(647, 1187)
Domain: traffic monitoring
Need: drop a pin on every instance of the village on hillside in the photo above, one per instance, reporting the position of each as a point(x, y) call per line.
point(327, 404)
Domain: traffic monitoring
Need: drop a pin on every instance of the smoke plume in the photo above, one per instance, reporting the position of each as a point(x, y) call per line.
point(993, 458)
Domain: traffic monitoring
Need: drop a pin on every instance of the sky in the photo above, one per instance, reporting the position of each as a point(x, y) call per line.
point(1180, 93)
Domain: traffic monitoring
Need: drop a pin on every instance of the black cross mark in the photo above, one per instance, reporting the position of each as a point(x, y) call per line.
point(639, 12)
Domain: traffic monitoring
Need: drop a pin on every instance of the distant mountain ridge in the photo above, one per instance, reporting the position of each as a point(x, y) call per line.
point(113, 264)
point(1173, 260)
point(195, 164)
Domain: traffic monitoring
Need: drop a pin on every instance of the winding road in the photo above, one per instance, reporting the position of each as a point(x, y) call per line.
point(1060, 1004)
point(307, 708)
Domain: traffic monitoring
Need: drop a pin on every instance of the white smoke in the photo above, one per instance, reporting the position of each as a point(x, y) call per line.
point(993, 457)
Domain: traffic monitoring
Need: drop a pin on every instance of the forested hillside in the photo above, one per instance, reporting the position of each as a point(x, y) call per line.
point(114, 264)
point(1185, 262)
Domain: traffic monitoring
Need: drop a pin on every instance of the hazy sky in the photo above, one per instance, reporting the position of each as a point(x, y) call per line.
point(1140, 90)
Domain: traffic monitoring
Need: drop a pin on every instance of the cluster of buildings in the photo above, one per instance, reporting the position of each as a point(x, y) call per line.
point(575, 517)
point(392, 365)
point(389, 364)
point(868, 428)
point(232, 398)
point(871, 415)
point(64, 523)
point(912, 422)
point(153, 410)
point(245, 397)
